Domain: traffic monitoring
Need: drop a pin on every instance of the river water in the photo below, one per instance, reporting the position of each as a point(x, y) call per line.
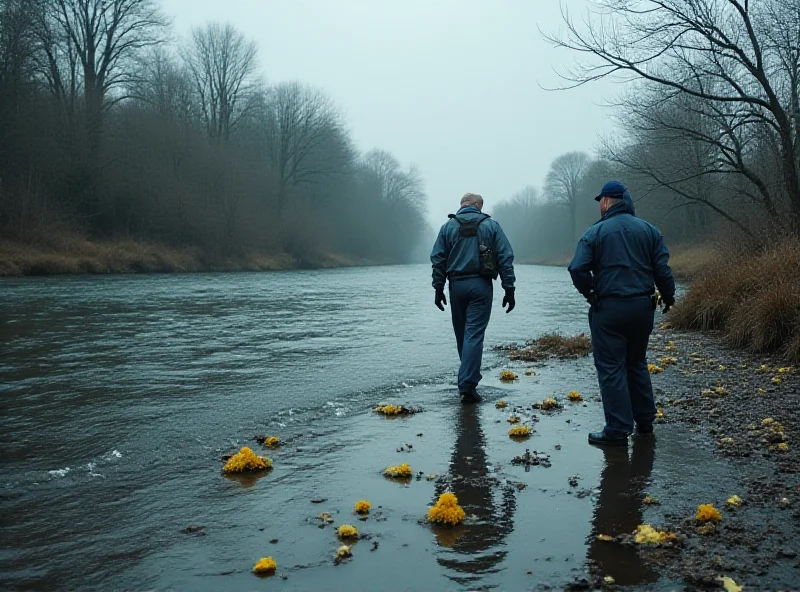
point(120, 394)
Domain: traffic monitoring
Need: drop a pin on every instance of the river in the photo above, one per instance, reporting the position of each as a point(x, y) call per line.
point(121, 393)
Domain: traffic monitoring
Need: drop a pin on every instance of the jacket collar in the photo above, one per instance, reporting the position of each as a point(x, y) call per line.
point(469, 210)
point(616, 210)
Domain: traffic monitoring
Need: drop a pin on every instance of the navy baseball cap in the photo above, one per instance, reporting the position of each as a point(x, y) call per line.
point(612, 189)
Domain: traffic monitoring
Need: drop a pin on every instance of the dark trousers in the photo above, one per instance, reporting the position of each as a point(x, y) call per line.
point(621, 329)
point(471, 307)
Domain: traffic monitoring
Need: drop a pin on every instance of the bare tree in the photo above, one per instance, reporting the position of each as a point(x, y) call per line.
point(739, 60)
point(398, 186)
point(563, 182)
point(106, 35)
point(305, 138)
point(165, 85)
point(223, 64)
point(527, 198)
point(703, 153)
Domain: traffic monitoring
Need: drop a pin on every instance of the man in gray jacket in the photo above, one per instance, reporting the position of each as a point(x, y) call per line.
point(470, 251)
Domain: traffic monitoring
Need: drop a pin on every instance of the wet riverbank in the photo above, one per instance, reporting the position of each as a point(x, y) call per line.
point(742, 409)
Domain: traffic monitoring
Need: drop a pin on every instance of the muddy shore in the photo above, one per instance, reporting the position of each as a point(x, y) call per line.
point(743, 408)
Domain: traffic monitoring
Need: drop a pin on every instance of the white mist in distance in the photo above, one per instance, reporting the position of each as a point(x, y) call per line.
point(453, 86)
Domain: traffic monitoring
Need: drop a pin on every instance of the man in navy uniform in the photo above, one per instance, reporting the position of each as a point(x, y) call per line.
point(616, 265)
point(470, 251)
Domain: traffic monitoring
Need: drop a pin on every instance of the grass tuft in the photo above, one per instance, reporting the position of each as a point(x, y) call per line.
point(553, 345)
point(753, 297)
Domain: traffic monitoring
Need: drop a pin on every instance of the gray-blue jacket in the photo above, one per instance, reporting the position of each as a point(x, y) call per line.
point(454, 256)
point(622, 256)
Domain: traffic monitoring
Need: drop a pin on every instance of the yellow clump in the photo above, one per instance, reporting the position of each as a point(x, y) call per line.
point(668, 361)
point(399, 472)
point(647, 535)
point(272, 442)
point(362, 507)
point(715, 392)
point(528, 371)
point(389, 409)
point(265, 565)
point(347, 531)
point(446, 510)
point(343, 552)
point(575, 397)
point(785, 370)
point(513, 419)
point(604, 537)
point(501, 404)
point(507, 376)
point(729, 584)
point(549, 403)
point(660, 413)
point(519, 432)
point(763, 368)
point(776, 380)
point(650, 500)
point(761, 391)
point(782, 447)
point(727, 440)
point(734, 501)
point(767, 421)
point(246, 460)
point(653, 369)
point(708, 513)
point(671, 346)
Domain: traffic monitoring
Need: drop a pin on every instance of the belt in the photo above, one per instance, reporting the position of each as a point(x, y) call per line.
point(464, 276)
point(627, 296)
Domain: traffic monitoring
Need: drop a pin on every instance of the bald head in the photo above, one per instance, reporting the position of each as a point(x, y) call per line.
point(472, 199)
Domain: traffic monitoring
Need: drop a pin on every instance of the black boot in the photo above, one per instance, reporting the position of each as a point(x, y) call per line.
point(604, 439)
point(470, 396)
point(644, 429)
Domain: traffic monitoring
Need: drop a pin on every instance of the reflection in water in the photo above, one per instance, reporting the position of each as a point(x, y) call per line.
point(247, 479)
point(619, 510)
point(489, 521)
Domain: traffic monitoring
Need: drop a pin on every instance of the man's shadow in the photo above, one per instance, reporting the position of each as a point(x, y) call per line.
point(489, 503)
point(620, 509)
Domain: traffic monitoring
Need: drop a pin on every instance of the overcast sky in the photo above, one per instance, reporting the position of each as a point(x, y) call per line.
point(452, 86)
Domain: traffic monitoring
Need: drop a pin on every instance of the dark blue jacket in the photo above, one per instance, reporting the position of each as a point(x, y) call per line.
point(622, 256)
point(453, 255)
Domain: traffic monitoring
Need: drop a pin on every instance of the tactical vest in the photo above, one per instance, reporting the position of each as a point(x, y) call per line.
point(487, 258)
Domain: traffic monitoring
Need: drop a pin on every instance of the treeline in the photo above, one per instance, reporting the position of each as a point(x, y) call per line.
point(108, 130)
point(709, 139)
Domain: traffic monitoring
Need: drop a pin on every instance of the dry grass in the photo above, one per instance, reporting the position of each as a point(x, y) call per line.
point(73, 254)
point(553, 345)
point(689, 262)
point(753, 297)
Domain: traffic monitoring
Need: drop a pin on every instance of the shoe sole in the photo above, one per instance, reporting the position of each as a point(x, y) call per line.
point(618, 444)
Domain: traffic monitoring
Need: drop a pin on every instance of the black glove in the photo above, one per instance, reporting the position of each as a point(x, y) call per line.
point(439, 300)
point(668, 303)
point(509, 300)
point(594, 300)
